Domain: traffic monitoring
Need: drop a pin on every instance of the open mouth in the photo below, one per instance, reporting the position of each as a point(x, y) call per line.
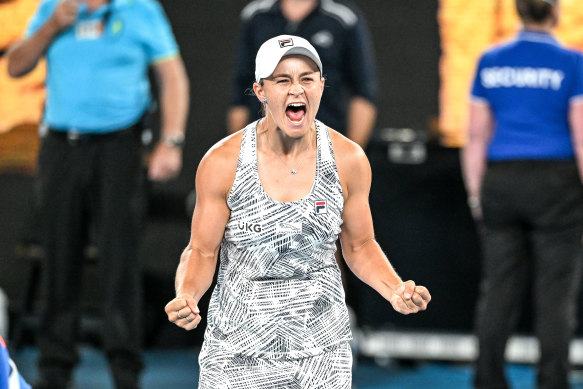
point(296, 111)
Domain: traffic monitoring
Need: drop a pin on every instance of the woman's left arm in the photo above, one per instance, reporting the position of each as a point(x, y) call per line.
point(361, 251)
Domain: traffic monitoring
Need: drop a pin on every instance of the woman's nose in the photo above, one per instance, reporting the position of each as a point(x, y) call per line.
point(296, 90)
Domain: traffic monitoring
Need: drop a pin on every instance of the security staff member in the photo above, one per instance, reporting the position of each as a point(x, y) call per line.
point(523, 168)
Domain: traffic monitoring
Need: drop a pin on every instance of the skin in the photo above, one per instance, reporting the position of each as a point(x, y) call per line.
point(282, 141)
point(165, 161)
point(481, 127)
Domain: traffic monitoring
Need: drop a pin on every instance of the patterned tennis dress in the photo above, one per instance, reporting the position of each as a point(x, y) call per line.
point(277, 316)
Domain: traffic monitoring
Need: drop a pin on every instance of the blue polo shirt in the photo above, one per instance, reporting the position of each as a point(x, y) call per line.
point(97, 70)
point(341, 36)
point(529, 84)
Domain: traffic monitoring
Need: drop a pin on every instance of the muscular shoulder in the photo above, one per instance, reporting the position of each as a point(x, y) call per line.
point(346, 151)
point(217, 169)
point(351, 161)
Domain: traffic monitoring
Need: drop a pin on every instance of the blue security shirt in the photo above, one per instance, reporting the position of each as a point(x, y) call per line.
point(97, 70)
point(339, 33)
point(529, 84)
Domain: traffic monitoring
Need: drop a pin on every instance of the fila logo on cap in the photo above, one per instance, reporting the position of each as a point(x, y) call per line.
point(320, 206)
point(286, 42)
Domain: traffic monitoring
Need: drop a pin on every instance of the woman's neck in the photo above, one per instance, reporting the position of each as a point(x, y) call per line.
point(279, 142)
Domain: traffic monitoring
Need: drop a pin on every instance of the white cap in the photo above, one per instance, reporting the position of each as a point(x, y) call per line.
point(274, 49)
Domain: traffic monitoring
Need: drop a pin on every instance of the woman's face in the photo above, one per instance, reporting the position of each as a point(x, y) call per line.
point(293, 94)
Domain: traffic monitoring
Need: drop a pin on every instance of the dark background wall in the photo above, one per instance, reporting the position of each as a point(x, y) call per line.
point(406, 39)
point(419, 210)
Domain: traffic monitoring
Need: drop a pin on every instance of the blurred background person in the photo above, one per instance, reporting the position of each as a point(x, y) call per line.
point(10, 378)
point(523, 167)
point(340, 33)
point(4, 314)
point(90, 166)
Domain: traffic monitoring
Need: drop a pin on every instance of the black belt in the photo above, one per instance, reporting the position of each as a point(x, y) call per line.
point(76, 138)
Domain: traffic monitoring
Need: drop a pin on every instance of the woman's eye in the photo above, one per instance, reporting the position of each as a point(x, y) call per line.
point(282, 81)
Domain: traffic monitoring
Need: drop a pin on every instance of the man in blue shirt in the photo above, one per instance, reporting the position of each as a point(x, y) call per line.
point(339, 32)
point(523, 168)
point(90, 164)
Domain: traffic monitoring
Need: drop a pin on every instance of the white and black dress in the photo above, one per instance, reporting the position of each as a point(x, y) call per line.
point(277, 316)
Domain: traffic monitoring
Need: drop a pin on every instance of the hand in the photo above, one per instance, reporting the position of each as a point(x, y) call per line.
point(183, 311)
point(65, 14)
point(165, 162)
point(410, 298)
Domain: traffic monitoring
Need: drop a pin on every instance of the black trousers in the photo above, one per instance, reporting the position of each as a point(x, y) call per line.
point(91, 181)
point(531, 235)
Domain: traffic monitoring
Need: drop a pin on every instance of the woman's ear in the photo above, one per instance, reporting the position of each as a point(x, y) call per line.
point(259, 92)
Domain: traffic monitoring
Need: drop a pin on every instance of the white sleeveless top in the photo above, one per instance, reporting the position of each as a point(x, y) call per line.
point(279, 292)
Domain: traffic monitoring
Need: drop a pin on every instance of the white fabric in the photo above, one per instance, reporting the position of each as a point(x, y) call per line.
point(279, 291)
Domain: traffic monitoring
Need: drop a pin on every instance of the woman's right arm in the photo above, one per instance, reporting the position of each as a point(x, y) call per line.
point(194, 275)
point(23, 56)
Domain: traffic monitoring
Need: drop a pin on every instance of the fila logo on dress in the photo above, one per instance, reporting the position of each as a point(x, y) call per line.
point(320, 207)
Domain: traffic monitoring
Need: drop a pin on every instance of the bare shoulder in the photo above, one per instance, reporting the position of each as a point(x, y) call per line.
point(218, 166)
point(353, 167)
point(349, 155)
